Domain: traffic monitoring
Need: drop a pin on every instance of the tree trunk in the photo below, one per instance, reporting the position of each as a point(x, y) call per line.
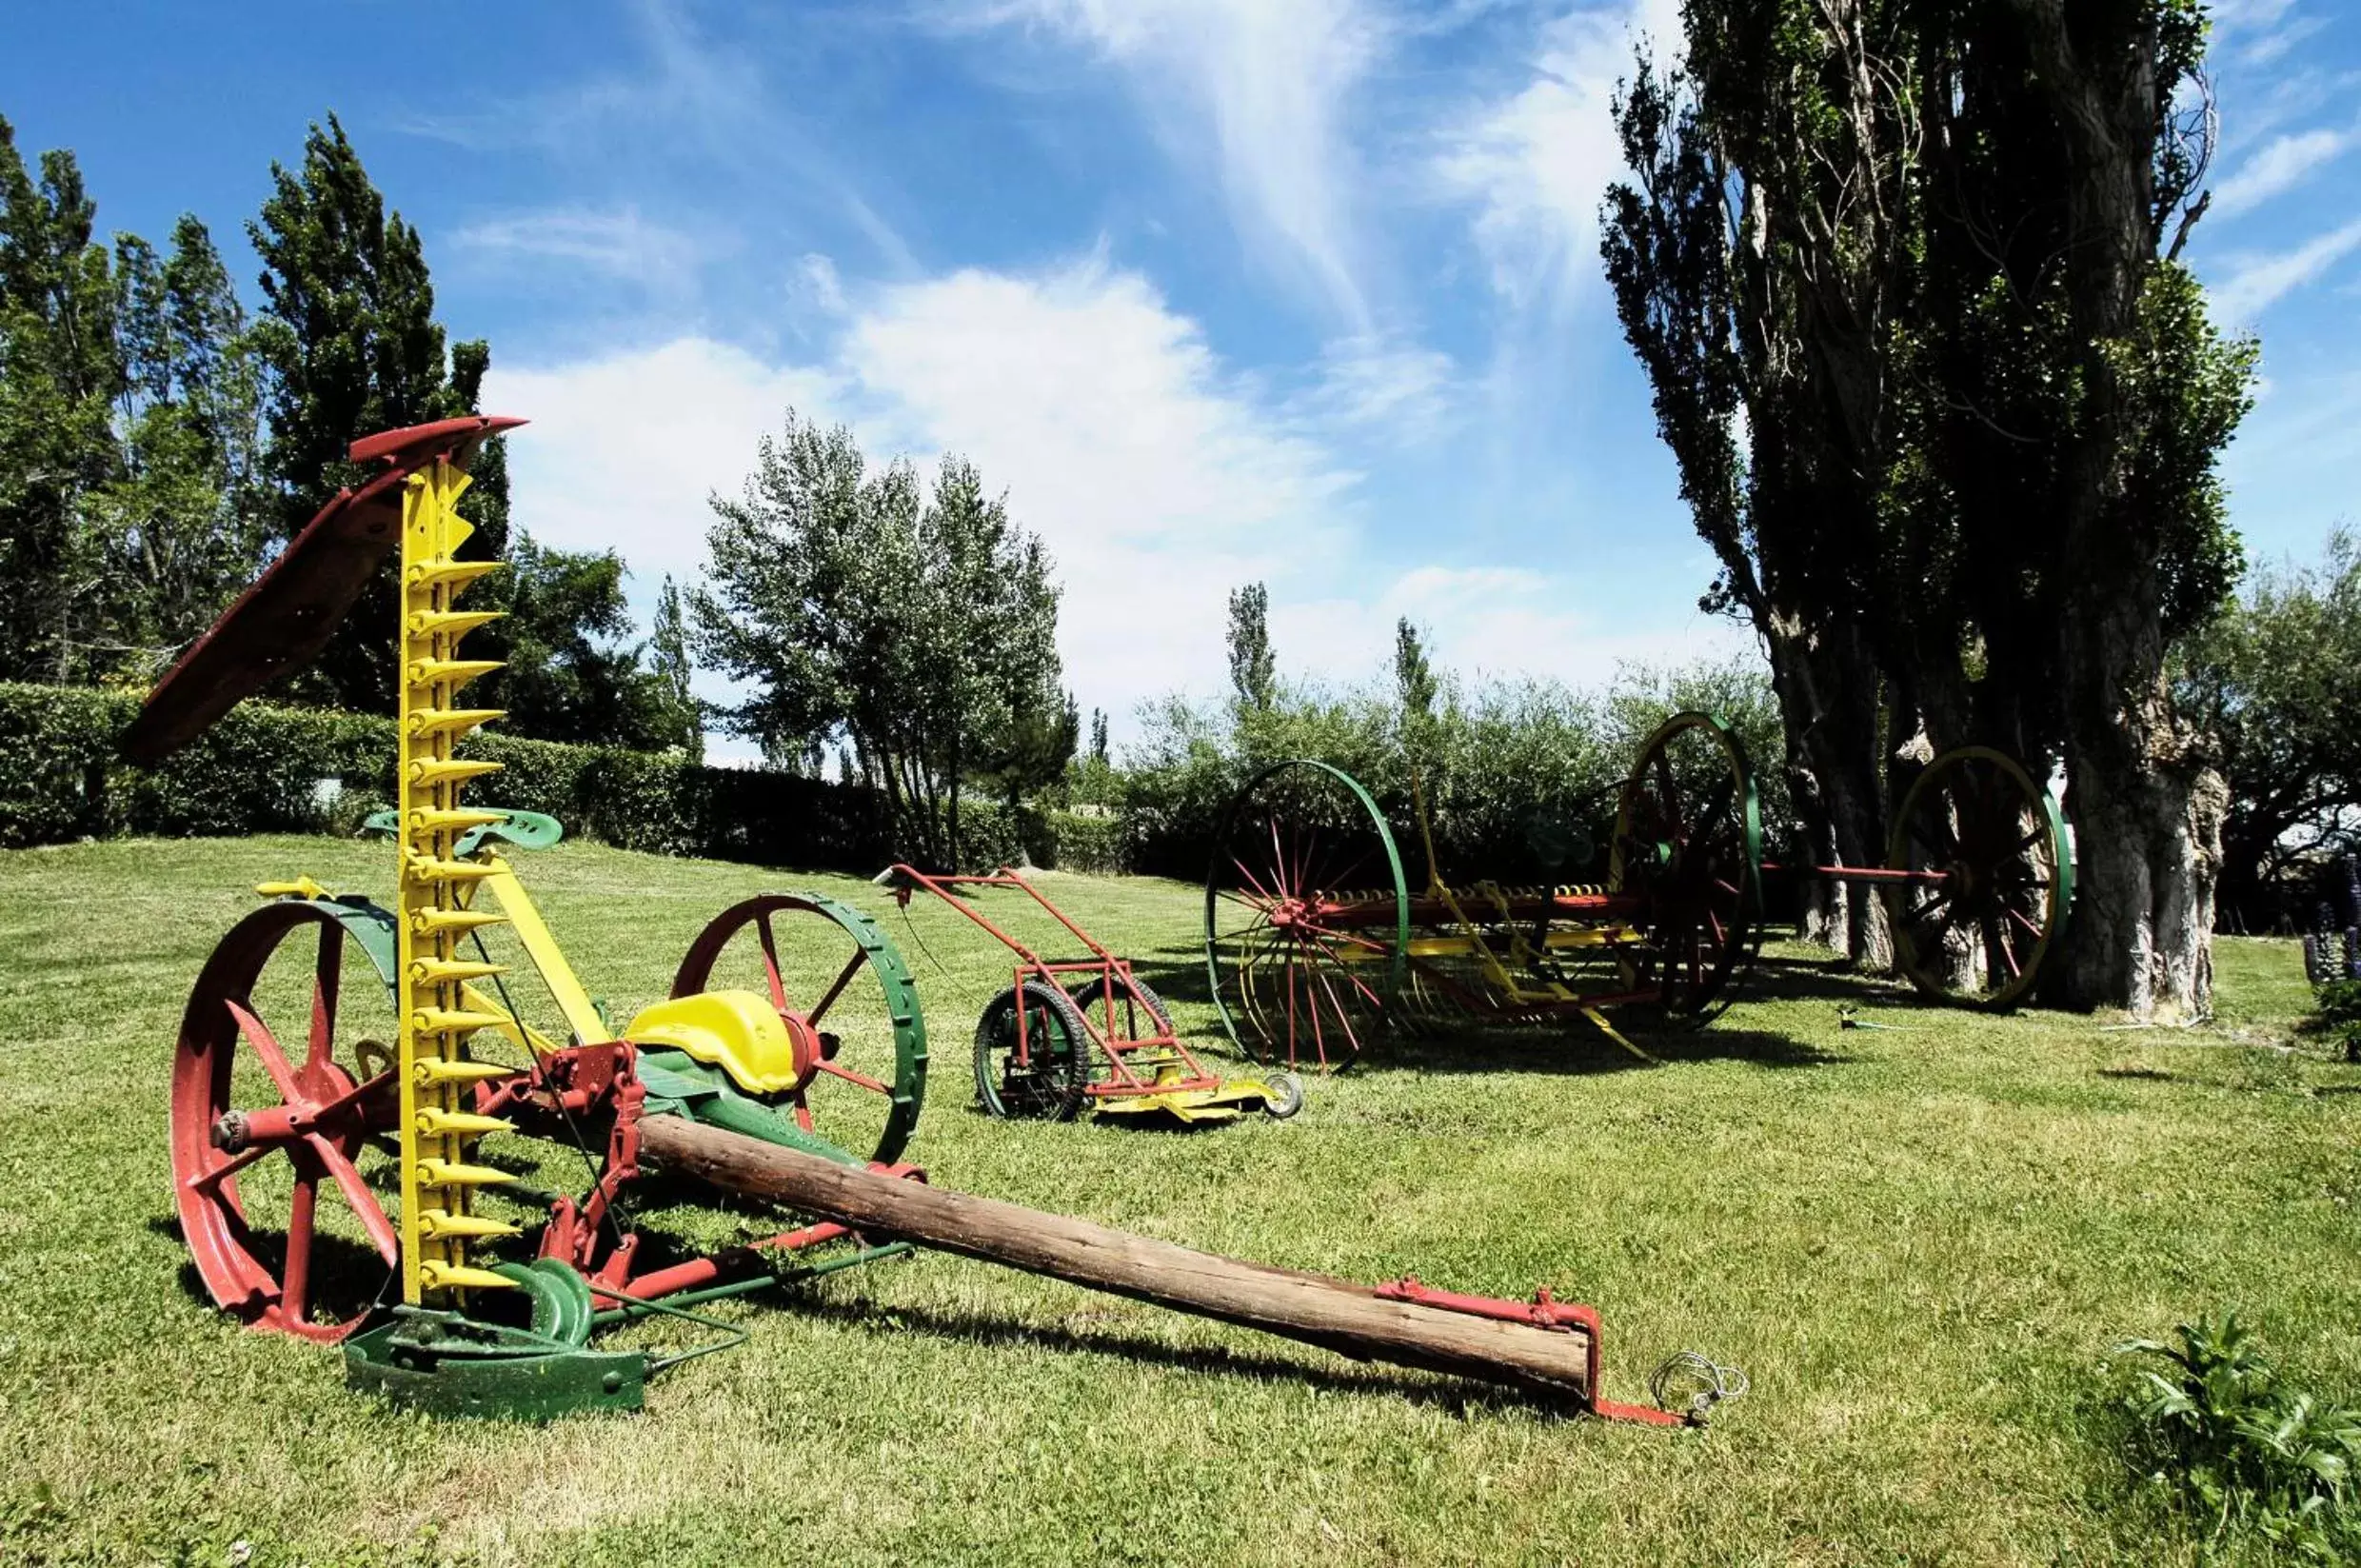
point(1827, 686)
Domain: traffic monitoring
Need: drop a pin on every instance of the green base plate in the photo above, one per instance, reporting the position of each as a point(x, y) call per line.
point(449, 1365)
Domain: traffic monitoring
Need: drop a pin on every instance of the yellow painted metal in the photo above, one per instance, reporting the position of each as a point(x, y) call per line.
point(434, 1015)
point(532, 934)
point(737, 1031)
point(302, 887)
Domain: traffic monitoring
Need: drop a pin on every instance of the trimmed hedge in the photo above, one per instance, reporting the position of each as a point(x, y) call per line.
point(254, 772)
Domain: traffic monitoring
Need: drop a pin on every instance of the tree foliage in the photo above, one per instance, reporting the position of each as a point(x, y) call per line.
point(1253, 669)
point(348, 333)
point(919, 629)
point(2275, 682)
point(574, 674)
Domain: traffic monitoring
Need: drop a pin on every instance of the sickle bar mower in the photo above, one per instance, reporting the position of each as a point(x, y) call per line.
point(1086, 1032)
point(344, 1067)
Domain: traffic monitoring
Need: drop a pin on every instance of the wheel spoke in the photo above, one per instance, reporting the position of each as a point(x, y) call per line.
point(326, 976)
point(771, 960)
point(358, 1197)
point(295, 1277)
point(851, 1077)
point(267, 1051)
point(852, 967)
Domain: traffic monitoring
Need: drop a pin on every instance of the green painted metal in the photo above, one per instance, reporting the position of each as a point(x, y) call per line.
point(525, 829)
point(1750, 818)
point(1397, 967)
point(679, 1084)
point(560, 1294)
point(445, 1364)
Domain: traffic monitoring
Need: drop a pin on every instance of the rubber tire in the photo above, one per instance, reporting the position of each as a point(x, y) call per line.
point(1086, 997)
point(1069, 1088)
point(1290, 1098)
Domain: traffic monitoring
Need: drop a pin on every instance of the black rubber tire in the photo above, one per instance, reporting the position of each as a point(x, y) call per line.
point(1088, 994)
point(1061, 1083)
point(1289, 1096)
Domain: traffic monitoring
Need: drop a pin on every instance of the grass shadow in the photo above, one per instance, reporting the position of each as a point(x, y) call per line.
point(1459, 1396)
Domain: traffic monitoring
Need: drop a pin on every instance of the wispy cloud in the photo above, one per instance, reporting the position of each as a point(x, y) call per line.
point(1269, 86)
point(1536, 162)
point(619, 242)
point(2258, 281)
point(1376, 383)
point(2279, 166)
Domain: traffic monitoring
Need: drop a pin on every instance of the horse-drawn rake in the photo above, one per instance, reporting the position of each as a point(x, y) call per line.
point(363, 1115)
point(1315, 941)
point(1086, 1031)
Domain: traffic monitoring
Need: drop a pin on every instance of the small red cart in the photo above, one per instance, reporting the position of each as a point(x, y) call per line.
point(1086, 1031)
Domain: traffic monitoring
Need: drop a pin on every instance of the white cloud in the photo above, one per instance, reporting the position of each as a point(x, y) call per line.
point(2259, 281)
point(1269, 83)
point(1156, 481)
point(1536, 163)
point(2281, 165)
point(1493, 621)
point(619, 242)
point(1376, 383)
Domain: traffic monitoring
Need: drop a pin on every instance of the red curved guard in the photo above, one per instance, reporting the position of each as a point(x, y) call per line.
point(280, 623)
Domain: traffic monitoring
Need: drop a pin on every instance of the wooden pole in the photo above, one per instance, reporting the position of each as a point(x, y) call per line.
point(1336, 1314)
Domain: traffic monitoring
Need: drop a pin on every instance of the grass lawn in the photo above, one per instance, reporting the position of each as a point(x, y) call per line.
point(1920, 1244)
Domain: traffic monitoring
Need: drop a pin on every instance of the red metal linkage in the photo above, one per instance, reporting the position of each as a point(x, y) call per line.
point(1541, 1312)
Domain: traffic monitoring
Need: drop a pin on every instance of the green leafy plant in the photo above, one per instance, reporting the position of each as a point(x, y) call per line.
point(2260, 1456)
point(2339, 1012)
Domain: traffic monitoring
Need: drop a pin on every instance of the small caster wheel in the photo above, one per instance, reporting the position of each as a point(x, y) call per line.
point(1286, 1096)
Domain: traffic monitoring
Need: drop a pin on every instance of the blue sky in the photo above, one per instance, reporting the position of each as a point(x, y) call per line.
point(1216, 289)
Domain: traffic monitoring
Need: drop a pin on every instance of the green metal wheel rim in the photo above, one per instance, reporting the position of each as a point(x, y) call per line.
point(1746, 941)
point(1397, 963)
point(908, 1093)
point(2057, 908)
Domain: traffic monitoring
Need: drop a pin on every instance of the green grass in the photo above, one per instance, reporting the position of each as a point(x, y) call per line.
point(1920, 1244)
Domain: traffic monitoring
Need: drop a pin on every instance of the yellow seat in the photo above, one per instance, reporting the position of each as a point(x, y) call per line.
point(737, 1031)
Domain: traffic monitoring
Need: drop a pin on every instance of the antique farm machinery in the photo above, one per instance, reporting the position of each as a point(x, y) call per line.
point(1315, 939)
point(1081, 1032)
point(372, 1145)
point(1979, 880)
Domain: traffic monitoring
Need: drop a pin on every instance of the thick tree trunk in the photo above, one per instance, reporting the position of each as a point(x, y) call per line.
point(2148, 819)
point(1827, 686)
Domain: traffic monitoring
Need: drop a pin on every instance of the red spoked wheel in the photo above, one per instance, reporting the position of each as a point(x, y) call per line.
point(281, 1089)
point(1307, 917)
point(849, 1005)
point(1688, 841)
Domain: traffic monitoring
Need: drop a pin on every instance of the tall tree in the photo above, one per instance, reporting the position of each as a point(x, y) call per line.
point(668, 658)
point(1253, 671)
point(862, 610)
point(573, 674)
point(1972, 486)
point(60, 372)
point(349, 335)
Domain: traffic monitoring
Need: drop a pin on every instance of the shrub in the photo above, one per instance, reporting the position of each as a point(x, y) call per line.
point(2244, 1444)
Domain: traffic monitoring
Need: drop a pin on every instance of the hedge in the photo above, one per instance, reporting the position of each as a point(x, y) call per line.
point(255, 771)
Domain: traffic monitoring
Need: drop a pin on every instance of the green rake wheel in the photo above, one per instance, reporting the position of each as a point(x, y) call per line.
point(1688, 841)
point(1307, 917)
point(1977, 933)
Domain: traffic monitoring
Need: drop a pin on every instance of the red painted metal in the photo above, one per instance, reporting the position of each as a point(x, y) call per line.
point(1115, 1042)
point(283, 621)
point(1864, 873)
point(1541, 1312)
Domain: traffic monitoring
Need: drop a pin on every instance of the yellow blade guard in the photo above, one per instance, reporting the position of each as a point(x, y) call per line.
point(436, 891)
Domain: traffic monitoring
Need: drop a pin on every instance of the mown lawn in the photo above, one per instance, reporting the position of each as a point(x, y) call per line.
point(1920, 1244)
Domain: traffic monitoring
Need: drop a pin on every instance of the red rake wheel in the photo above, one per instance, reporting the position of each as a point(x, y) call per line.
point(841, 987)
point(282, 1087)
point(1976, 932)
point(1307, 917)
point(1688, 839)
